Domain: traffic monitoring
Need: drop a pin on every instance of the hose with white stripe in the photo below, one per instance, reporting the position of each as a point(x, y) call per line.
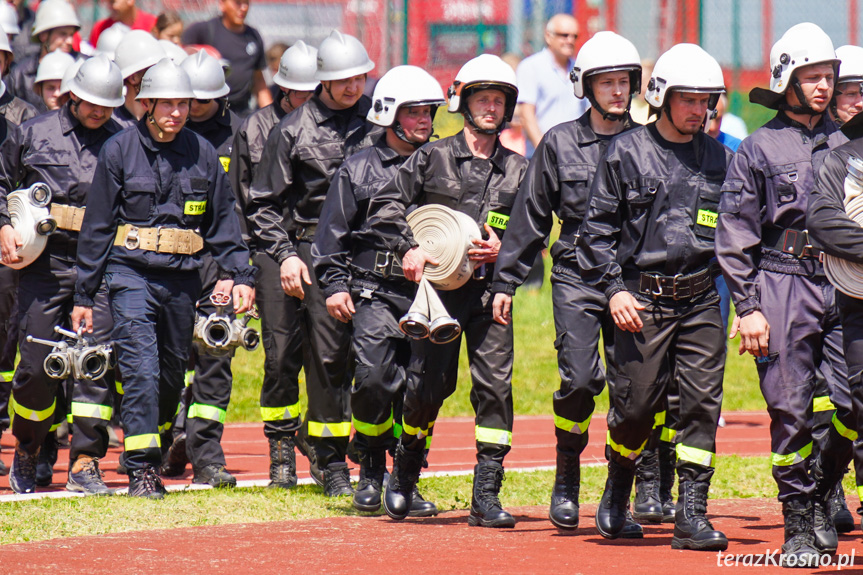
point(446, 235)
point(31, 218)
point(848, 276)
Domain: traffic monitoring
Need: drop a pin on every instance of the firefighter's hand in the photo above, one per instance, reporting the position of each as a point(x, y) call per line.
point(244, 298)
point(10, 241)
point(624, 311)
point(293, 273)
point(502, 308)
point(754, 333)
point(486, 251)
point(82, 319)
point(414, 262)
point(341, 306)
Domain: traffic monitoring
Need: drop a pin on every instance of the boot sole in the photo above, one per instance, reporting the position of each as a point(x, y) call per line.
point(648, 517)
point(367, 508)
point(607, 534)
point(75, 488)
point(392, 515)
point(425, 513)
point(276, 485)
point(708, 545)
point(475, 521)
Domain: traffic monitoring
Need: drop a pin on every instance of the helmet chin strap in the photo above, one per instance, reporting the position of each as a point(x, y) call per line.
point(487, 131)
point(804, 108)
point(400, 134)
point(607, 115)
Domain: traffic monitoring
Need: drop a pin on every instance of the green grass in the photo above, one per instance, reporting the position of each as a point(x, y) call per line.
point(736, 477)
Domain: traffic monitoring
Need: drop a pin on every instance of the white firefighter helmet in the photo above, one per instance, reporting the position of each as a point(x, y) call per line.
point(69, 75)
point(165, 80)
point(685, 68)
point(54, 14)
point(342, 56)
point(110, 38)
point(207, 76)
point(9, 18)
point(174, 52)
point(99, 82)
point(403, 86)
point(53, 66)
point(605, 52)
point(851, 67)
point(483, 72)
point(802, 45)
point(137, 51)
point(297, 68)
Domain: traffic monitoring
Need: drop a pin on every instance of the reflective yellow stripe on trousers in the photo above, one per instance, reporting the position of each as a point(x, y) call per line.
point(204, 411)
point(280, 413)
point(492, 435)
point(81, 409)
point(143, 441)
point(577, 427)
point(791, 458)
point(320, 429)
point(372, 429)
point(623, 451)
point(31, 414)
point(696, 455)
point(844, 431)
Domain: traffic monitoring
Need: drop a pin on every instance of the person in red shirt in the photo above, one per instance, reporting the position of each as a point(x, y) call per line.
point(126, 12)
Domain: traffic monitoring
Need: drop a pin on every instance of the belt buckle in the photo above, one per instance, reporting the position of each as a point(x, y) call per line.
point(132, 240)
point(383, 268)
point(657, 280)
point(674, 286)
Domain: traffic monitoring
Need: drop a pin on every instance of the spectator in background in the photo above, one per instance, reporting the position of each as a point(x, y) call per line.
point(242, 46)
point(126, 12)
point(513, 136)
point(168, 26)
point(274, 56)
point(640, 111)
point(545, 97)
point(718, 125)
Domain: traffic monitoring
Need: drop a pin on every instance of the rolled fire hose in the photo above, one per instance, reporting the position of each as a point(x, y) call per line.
point(848, 276)
point(446, 235)
point(31, 218)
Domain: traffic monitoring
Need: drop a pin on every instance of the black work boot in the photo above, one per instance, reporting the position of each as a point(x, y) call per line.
point(799, 547)
point(692, 529)
point(613, 509)
point(563, 512)
point(398, 497)
point(283, 462)
point(667, 473)
point(337, 480)
point(485, 507)
point(824, 532)
point(146, 483)
point(46, 460)
point(373, 465)
point(647, 506)
point(214, 475)
point(420, 507)
point(842, 518)
point(175, 461)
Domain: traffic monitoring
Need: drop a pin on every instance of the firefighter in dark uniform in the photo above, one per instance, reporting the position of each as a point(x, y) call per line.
point(299, 161)
point(362, 279)
point(160, 196)
point(473, 173)
point(280, 326)
point(60, 148)
point(647, 242)
point(53, 29)
point(14, 111)
point(608, 72)
point(762, 246)
point(136, 52)
point(830, 225)
point(197, 429)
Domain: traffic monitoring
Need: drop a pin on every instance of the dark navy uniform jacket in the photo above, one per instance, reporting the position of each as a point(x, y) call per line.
point(15, 109)
point(446, 172)
point(124, 117)
point(650, 211)
point(557, 182)
point(219, 131)
point(10, 135)
point(835, 232)
point(299, 161)
point(342, 228)
point(767, 190)
point(56, 149)
point(178, 184)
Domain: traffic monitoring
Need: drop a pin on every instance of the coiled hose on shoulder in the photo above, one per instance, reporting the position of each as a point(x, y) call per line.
point(848, 276)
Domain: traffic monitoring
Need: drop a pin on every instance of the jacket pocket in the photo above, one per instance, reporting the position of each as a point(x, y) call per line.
point(139, 199)
point(707, 209)
point(781, 183)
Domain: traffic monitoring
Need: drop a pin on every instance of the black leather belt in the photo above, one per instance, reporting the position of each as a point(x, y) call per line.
point(792, 242)
point(676, 287)
point(384, 263)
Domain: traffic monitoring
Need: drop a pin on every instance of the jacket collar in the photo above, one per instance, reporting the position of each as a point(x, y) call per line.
point(461, 150)
point(154, 146)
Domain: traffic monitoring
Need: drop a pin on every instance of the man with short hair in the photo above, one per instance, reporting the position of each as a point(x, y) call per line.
point(242, 46)
point(545, 97)
point(647, 242)
point(848, 95)
point(126, 12)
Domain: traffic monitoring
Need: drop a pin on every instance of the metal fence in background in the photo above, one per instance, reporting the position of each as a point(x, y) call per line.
point(440, 35)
